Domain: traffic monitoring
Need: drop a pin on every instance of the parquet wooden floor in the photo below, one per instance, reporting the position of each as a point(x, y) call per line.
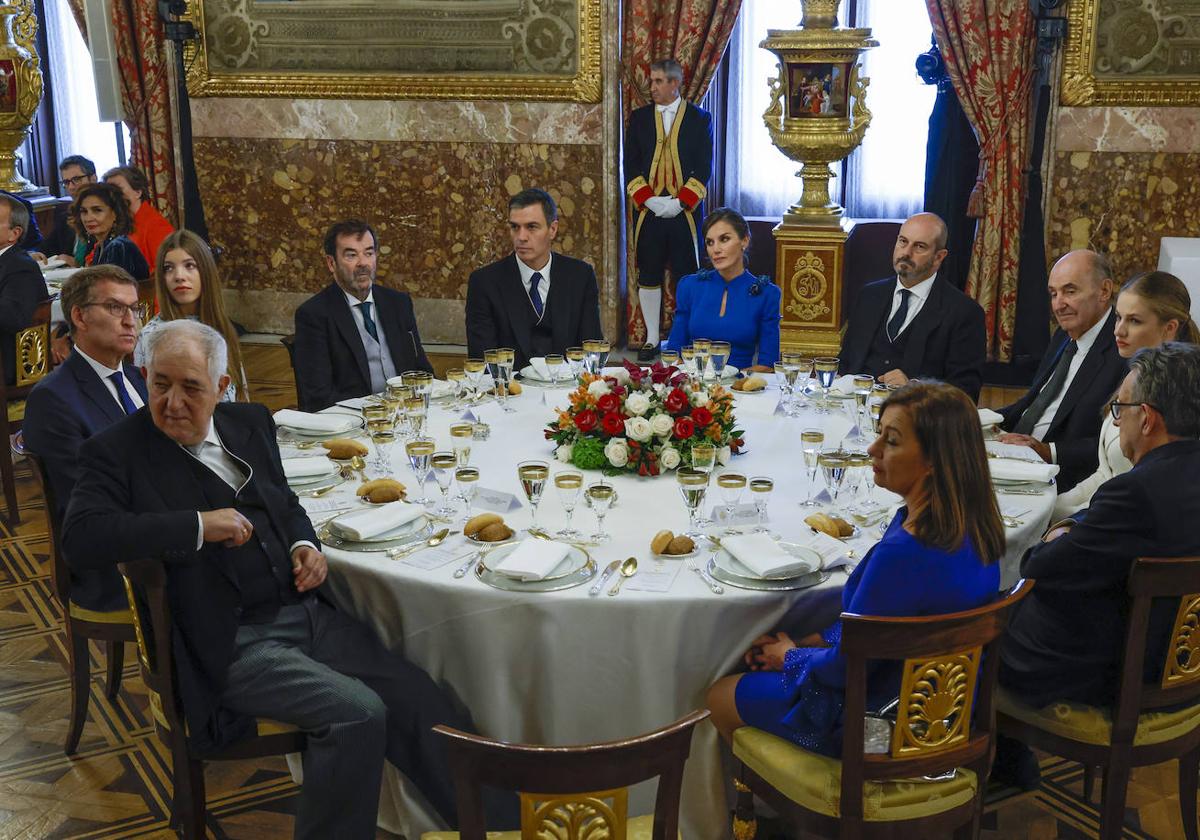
point(118, 785)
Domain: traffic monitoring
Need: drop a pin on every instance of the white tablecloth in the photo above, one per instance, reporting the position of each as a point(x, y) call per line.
point(566, 668)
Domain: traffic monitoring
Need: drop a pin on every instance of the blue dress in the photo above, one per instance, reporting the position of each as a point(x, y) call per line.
point(750, 323)
point(899, 576)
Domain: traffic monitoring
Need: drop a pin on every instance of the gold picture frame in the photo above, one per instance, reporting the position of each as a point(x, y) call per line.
point(273, 48)
point(1139, 55)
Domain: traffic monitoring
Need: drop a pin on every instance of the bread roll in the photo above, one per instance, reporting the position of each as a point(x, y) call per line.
point(381, 484)
point(660, 542)
point(753, 383)
point(342, 449)
point(834, 526)
point(477, 523)
point(680, 545)
point(514, 388)
point(380, 495)
point(496, 532)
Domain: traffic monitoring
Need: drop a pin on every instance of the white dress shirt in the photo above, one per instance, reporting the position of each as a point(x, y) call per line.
point(543, 284)
point(668, 114)
point(379, 355)
point(1084, 344)
point(104, 371)
point(920, 294)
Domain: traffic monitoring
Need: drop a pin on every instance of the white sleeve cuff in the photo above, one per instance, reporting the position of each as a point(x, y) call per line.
point(1053, 453)
point(299, 543)
point(199, 531)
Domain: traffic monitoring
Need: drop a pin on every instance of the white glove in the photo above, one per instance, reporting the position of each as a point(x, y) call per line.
point(655, 204)
point(671, 208)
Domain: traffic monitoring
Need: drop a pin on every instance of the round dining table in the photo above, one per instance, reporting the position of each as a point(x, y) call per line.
point(567, 667)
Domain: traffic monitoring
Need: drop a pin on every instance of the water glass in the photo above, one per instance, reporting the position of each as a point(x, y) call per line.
point(533, 475)
point(508, 358)
point(458, 378)
point(731, 485)
point(461, 435)
point(863, 384)
point(826, 368)
point(718, 356)
point(569, 484)
point(444, 464)
point(693, 485)
point(833, 464)
point(811, 440)
point(670, 358)
point(555, 362)
point(760, 490)
point(600, 496)
point(467, 479)
point(576, 359)
point(419, 451)
point(476, 369)
point(703, 348)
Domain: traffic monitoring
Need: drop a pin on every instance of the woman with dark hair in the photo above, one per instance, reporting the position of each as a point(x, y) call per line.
point(150, 227)
point(100, 213)
point(937, 556)
point(727, 302)
point(187, 285)
point(1152, 307)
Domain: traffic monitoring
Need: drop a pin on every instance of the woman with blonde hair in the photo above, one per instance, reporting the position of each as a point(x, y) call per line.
point(939, 555)
point(188, 286)
point(1152, 307)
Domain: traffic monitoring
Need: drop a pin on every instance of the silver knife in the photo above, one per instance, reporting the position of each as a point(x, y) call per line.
point(604, 576)
point(462, 570)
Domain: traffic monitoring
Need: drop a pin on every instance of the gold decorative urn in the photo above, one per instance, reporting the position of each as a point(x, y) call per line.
point(20, 87)
point(817, 116)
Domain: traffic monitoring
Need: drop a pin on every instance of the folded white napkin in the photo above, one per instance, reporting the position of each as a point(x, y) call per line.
point(761, 555)
point(539, 368)
point(364, 524)
point(294, 468)
point(843, 384)
point(833, 551)
point(1007, 470)
point(306, 422)
point(533, 559)
point(1012, 451)
point(987, 417)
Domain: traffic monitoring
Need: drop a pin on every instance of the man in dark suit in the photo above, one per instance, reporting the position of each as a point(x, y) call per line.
point(916, 325)
point(1059, 417)
point(534, 301)
point(22, 287)
point(1064, 643)
point(353, 335)
point(76, 172)
point(199, 484)
point(82, 397)
point(668, 163)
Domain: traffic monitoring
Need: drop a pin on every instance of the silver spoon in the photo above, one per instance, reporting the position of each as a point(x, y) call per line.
point(628, 569)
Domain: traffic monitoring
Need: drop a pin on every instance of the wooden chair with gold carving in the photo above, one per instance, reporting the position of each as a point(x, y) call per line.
point(931, 780)
point(1151, 722)
point(145, 582)
point(32, 349)
point(571, 793)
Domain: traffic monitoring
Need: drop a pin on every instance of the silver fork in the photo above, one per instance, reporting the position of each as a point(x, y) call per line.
point(462, 570)
point(716, 588)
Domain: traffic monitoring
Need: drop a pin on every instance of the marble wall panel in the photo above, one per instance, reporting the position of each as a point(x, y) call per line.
point(439, 207)
point(1122, 204)
point(1127, 129)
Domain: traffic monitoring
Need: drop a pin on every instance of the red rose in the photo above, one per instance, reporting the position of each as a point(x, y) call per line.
point(607, 403)
point(676, 401)
point(684, 427)
point(585, 420)
point(612, 423)
point(701, 416)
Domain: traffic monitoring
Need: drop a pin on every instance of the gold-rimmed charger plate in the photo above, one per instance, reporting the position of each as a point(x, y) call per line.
point(804, 582)
point(575, 559)
point(353, 427)
point(729, 564)
point(511, 584)
point(302, 482)
point(396, 538)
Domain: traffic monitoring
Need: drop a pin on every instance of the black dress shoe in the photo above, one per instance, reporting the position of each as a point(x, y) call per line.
point(648, 353)
point(1015, 764)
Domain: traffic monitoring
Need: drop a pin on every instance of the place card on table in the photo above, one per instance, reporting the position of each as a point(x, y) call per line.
point(745, 514)
point(469, 416)
point(497, 501)
point(312, 505)
point(833, 552)
point(439, 555)
point(655, 576)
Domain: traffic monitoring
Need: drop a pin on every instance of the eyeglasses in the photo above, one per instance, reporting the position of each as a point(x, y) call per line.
point(1115, 407)
point(118, 310)
point(76, 181)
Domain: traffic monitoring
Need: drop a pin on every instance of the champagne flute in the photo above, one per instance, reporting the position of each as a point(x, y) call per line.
point(869, 504)
point(533, 475)
point(456, 377)
point(468, 480)
point(499, 386)
point(383, 435)
point(460, 441)
point(421, 382)
point(718, 356)
point(508, 358)
point(693, 485)
point(419, 451)
point(876, 409)
point(703, 348)
point(554, 362)
point(787, 384)
point(444, 464)
point(417, 411)
point(569, 484)
point(688, 354)
point(863, 383)
point(811, 440)
point(731, 485)
point(475, 369)
point(576, 357)
point(591, 349)
point(860, 465)
point(804, 365)
point(670, 358)
point(760, 490)
point(599, 496)
point(826, 367)
point(833, 463)
point(603, 348)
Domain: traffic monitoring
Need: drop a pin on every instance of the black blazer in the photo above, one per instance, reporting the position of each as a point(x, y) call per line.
point(22, 288)
point(331, 364)
point(499, 313)
point(946, 340)
point(1065, 641)
point(63, 410)
point(1075, 431)
point(136, 498)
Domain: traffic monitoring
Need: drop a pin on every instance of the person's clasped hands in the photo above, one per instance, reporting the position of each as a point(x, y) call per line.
point(664, 206)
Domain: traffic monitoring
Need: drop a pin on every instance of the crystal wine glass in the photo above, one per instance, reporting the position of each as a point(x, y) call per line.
point(456, 377)
point(533, 475)
point(569, 484)
point(475, 368)
point(693, 485)
point(383, 435)
point(576, 357)
point(670, 358)
point(468, 480)
point(760, 491)
point(599, 496)
point(508, 358)
point(444, 463)
point(856, 474)
point(499, 386)
point(554, 362)
point(703, 348)
point(416, 410)
point(421, 381)
point(591, 350)
point(863, 383)
point(786, 374)
point(718, 356)
point(811, 440)
point(460, 441)
point(833, 464)
point(731, 485)
point(826, 368)
point(687, 354)
point(419, 451)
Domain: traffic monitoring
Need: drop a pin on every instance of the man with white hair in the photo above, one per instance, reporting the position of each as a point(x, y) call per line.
point(199, 484)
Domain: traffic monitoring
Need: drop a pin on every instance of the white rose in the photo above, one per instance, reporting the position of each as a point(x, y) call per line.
point(637, 404)
point(699, 397)
point(564, 452)
point(617, 452)
point(669, 457)
point(598, 388)
point(638, 428)
point(662, 425)
point(619, 374)
point(723, 455)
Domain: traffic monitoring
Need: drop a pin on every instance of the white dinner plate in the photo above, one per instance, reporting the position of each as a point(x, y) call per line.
point(729, 564)
point(304, 481)
point(530, 373)
point(1022, 482)
point(350, 423)
point(405, 530)
point(575, 560)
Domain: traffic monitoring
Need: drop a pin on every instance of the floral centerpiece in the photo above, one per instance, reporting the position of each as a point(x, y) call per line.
point(643, 421)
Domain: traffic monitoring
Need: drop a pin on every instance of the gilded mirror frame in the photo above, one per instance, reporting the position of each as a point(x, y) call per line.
point(1084, 84)
point(583, 86)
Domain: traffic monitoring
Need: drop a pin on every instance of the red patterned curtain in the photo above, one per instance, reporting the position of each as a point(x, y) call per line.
point(145, 95)
point(694, 33)
point(988, 49)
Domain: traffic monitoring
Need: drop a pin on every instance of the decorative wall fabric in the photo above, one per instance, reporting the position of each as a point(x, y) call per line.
point(988, 49)
point(694, 33)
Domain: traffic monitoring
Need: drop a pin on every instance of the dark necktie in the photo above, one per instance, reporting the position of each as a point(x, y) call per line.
point(1053, 387)
point(535, 295)
point(368, 321)
point(118, 380)
point(897, 323)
